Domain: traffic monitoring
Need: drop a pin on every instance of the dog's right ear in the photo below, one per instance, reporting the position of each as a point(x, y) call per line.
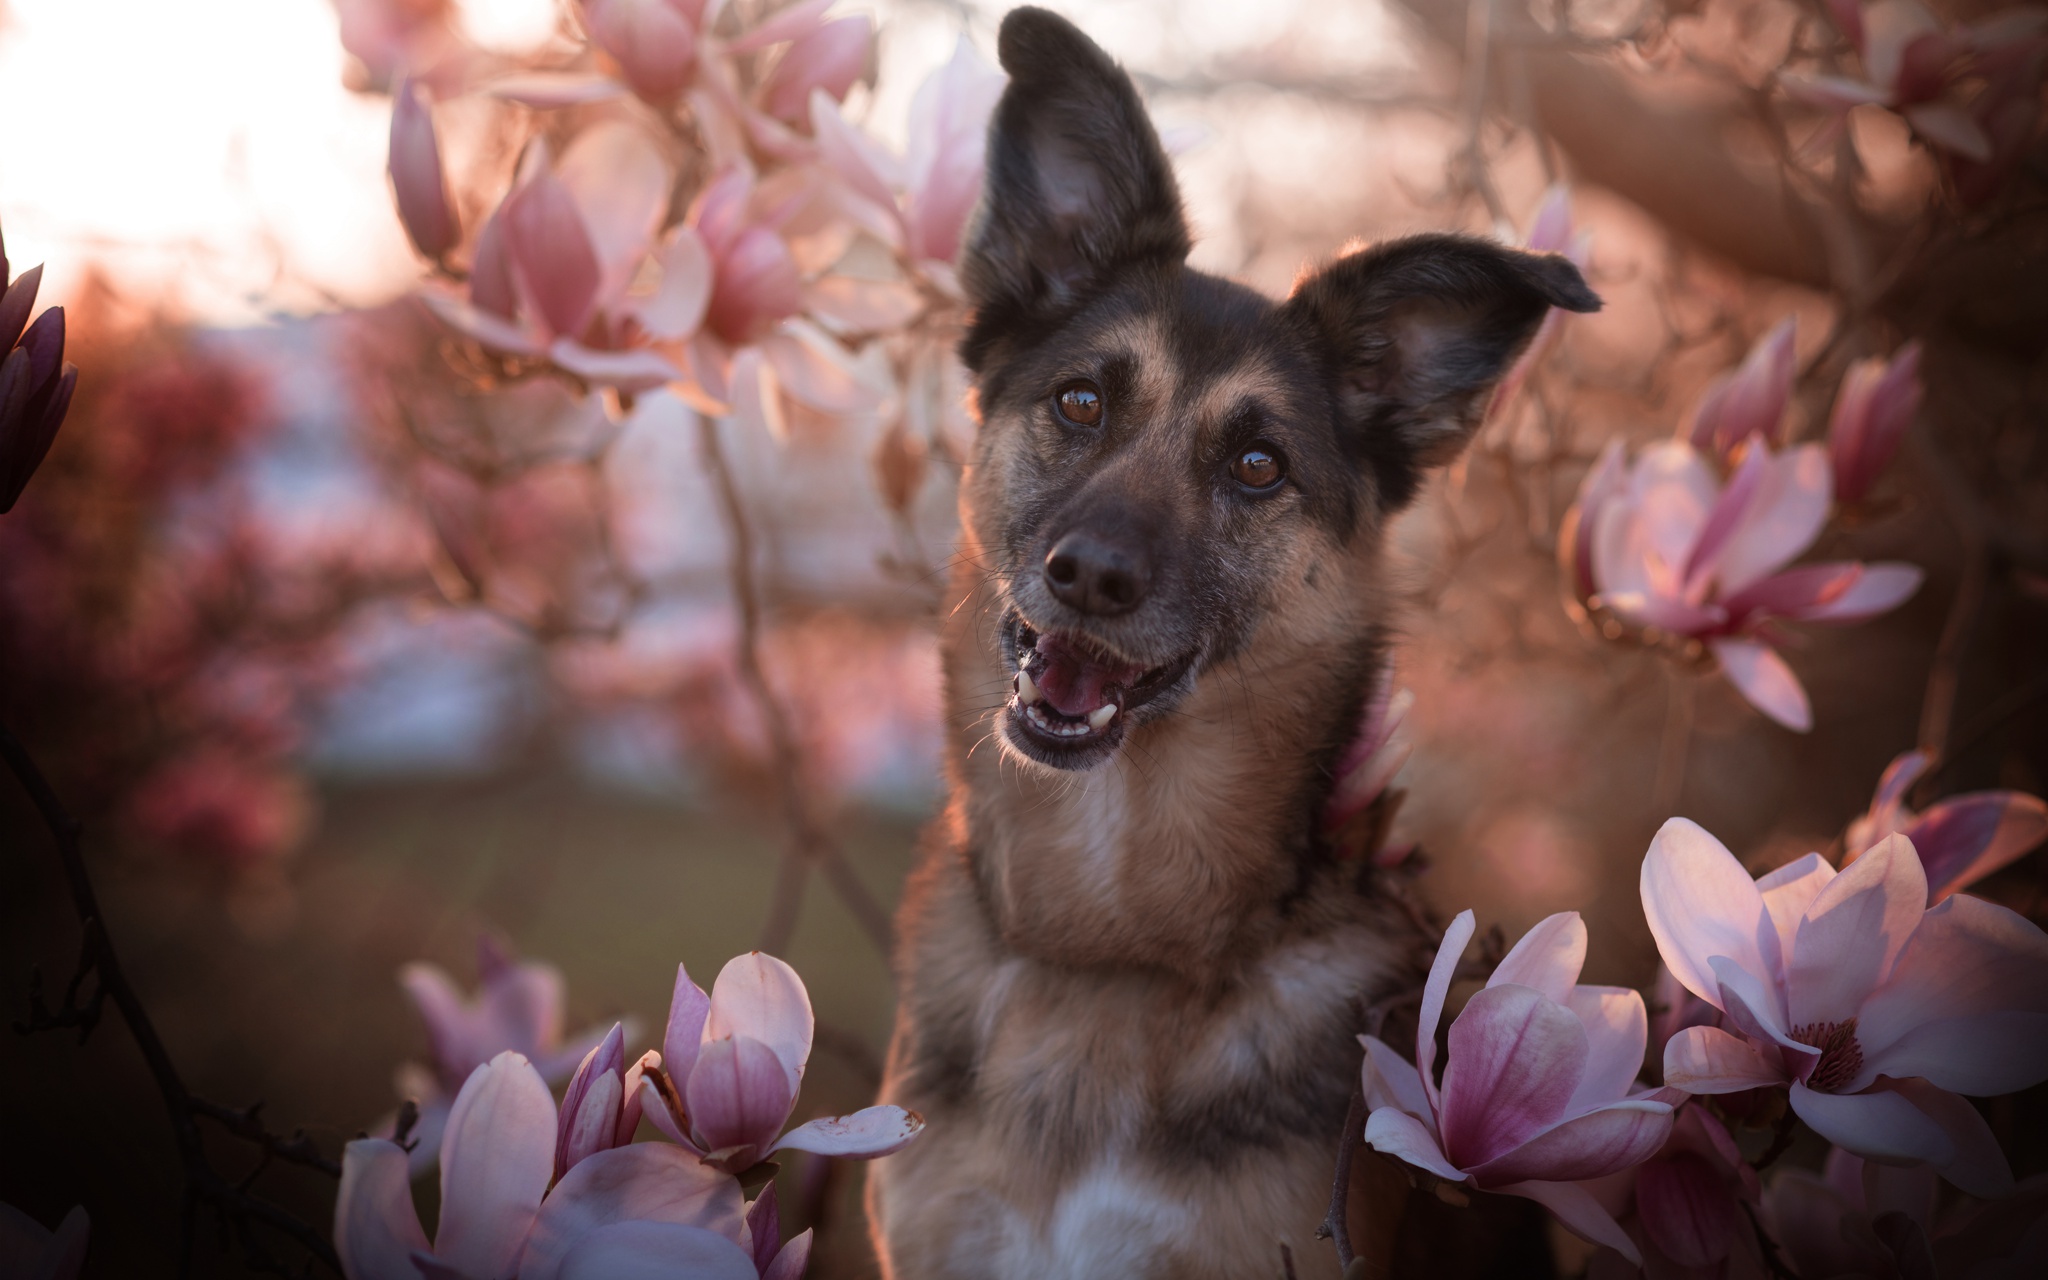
point(1078, 186)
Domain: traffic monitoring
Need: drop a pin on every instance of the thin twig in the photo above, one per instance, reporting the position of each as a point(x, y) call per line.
point(235, 1207)
point(1335, 1223)
point(810, 843)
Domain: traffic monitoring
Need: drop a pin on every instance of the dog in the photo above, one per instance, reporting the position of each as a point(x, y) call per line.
point(1132, 966)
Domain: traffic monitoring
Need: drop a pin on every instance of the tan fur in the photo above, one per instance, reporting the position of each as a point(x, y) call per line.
point(1113, 953)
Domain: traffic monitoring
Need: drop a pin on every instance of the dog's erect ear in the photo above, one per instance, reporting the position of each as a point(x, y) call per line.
point(1078, 185)
point(1418, 331)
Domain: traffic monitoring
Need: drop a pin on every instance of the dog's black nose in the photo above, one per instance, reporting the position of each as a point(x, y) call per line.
point(1086, 573)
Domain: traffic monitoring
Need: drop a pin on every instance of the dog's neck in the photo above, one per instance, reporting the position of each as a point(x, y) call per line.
point(1182, 853)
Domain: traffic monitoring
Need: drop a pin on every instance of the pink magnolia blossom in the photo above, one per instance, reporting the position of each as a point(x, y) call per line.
point(826, 59)
point(559, 269)
point(921, 202)
point(1872, 1009)
point(417, 183)
point(1692, 1200)
point(1550, 230)
point(601, 1108)
point(1665, 547)
point(1960, 840)
point(1825, 1222)
point(518, 1009)
point(1913, 65)
point(644, 1210)
point(1750, 399)
point(732, 1063)
point(653, 41)
point(29, 1251)
point(1375, 755)
point(1538, 1093)
point(1873, 408)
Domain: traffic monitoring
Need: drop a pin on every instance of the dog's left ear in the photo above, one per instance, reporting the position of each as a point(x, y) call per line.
point(1417, 332)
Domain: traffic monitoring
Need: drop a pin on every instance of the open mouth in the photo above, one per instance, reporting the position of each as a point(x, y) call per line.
point(1073, 700)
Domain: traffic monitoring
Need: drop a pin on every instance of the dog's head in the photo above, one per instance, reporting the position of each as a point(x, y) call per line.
point(1165, 457)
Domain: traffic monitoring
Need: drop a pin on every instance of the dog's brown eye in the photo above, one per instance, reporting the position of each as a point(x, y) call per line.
point(1080, 404)
point(1257, 468)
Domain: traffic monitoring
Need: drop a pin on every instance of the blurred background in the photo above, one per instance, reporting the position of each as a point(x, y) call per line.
point(349, 654)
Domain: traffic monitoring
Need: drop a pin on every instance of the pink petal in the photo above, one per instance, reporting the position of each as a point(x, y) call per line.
point(1709, 1060)
point(858, 160)
point(522, 1008)
point(632, 371)
point(1515, 1061)
point(1392, 1081)
point(1547, 959)
point(1700, 903)
point(608, 1058)
point(552, 253)
point(676, 307)
point(1899, 777)
point(1753, 1007)
point(760, 997)
point(1615, 1137)
point(1403, 1137)
point(1878, 1126)
point(791, 1260)
point(1876, 403)
point(376, 1230)
point(1580, 1212)
point(1837, 93)
point(1550, 228)
point(1950, 127)
point(655, 1108)
point(491, 286)
point(764, 1227)
point(1853, 932)
point(493, 331)
point(1789, 891)
point(620, 182)
point(1799, 593)
point(783, 24)
point(416, 178)
point(548, 90)
point(1607, 479)
point(446, 1015)
point(655, 45)
point(1725, 518)
point(948, 136)
point(1978, 1165)
point(738, 1095)
point(848, 306)
point(1435, 989)
point(1942, 1010)
point(1763, 679)
point(757, 396)
point(865, 1135)
point(758, 283)
point(655, 1251)
point(688, 1007)
point(816, 370)
point(828, 59)
point(1617, 1027)
point(1750, 401)
point(594, 1127)
point(1687, 1210)
point(1963, 839)
point(629, 1098)
point(1880, 589)
point(648, 1181)
point(1781, 522)
point(496, 1161)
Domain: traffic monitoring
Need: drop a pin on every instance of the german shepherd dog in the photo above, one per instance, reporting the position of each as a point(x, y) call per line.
point(1133, 968)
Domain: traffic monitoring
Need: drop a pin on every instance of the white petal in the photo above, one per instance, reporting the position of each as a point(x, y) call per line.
point(1434, 992)
point(497, 1158)
point(376, 1230)
point(1548, 958)
point(1877, 1126)
point(1701, 903)
point(1853, 931)
point(1765, 681)
point(1403, 1137)
point(647, 1181)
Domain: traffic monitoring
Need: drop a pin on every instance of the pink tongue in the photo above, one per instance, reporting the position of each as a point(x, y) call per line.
point(1074, 681)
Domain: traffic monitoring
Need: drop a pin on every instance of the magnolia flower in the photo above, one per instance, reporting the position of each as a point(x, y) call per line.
point(1537, 1093)
point(496, 1162)
point(1826, 1222)
point(561, 268)
point(826, 59)
point(30, 1251)
point(417, 183)
point(920, 203)
point(1845, 988)
point(35, 381)
point(1374, 756)
point(1663, 546)
point(1960, 840)
point(518, 1008)
point(601, 1108)
point(1550, 230)
point(499, 1217)
point(1750, 399)
point(653, 41)
point(1873, 408)
point(1912, 64)
point(1690, 1199)
point(731, 1065)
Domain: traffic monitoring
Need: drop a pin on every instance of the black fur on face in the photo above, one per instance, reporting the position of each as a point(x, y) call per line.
point(1134, 409)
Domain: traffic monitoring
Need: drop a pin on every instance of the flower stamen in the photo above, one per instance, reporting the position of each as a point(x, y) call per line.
point(1841, 1058)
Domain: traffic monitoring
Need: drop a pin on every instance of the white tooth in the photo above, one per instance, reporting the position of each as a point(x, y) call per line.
point(1099, 718)
point(1027, 690)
